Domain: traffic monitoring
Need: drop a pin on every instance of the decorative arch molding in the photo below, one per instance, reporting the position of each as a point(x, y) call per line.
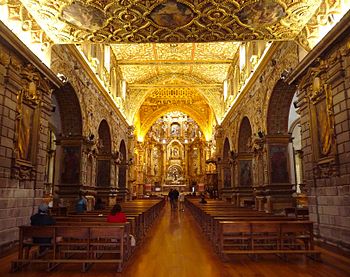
point(148, 122)
point(279, 107)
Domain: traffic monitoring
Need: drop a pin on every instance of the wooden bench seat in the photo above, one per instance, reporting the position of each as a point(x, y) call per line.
point(262, 237)
point(74, 244)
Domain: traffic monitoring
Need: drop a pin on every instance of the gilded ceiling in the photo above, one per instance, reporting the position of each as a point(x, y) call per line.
point(186, 100)
point(120, 21)
point(207, 61)
point(166, 47)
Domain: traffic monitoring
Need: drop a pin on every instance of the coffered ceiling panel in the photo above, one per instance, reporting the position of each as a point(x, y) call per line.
point(174, 21)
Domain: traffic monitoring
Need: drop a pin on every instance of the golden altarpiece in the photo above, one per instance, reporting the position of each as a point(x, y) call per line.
point(172, 155)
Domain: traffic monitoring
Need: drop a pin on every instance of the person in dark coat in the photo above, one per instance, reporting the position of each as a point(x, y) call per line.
point(41, 218)
point(99, 205)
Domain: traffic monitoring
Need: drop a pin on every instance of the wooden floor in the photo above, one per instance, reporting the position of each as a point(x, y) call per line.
point(175, 247)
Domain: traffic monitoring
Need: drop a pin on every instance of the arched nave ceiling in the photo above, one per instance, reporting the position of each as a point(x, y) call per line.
point(115, 21)
point(172, 87)
point(173, 67)
point(185, 100)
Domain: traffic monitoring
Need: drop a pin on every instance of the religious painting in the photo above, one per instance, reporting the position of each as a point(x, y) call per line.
point(322, 122)
point(103, 173)
point(322, 119)
point(323, 129)
point(25, 133)
point(71, 165)
point(261, 13)
point(174, 172)
point(279, 164)
point(83, 16)
point(172, 14)
point(245, 173)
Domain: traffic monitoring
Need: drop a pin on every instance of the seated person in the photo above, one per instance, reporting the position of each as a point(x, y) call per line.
point(203, 201)
point(99, 205)
point(116, 216)
point(81, 205)
point(41, 218)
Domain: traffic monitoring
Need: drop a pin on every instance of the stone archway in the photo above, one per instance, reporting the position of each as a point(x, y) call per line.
point(69, 110)
point(278, 109)
point(277, 132)
point(69, 142)
point(104, 143)
point(103, 179)
point(245, 178)
point(243, 193)
point(277, 140)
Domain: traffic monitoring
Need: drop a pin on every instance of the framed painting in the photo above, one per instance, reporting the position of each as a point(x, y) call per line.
point(70, 165)
point(103, 173)
point(279, 164)
point(245, 173)
point(26, 132)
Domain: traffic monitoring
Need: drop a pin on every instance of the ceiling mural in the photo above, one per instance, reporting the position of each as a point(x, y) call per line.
point(172, 21)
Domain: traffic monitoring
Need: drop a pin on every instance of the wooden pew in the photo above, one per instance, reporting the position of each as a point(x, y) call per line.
point(84, 245)
point(234, 230)
point(266, 237)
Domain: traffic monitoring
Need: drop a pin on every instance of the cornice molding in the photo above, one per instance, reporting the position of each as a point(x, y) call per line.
point(10, 39)
point(335, 34)
point(75, 52)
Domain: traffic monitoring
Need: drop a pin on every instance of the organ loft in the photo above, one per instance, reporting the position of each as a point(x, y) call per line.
point(244, 104)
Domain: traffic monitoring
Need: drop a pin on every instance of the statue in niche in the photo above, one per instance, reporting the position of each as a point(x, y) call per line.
point(100, 144)
point(175, 152)
point(245, 173)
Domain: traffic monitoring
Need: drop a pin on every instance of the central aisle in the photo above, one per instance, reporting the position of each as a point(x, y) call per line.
point(175, 248)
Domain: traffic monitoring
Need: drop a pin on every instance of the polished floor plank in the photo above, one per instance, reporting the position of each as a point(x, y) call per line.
point(175, 248)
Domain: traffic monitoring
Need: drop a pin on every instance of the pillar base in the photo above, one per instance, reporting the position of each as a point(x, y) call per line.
point(277, 203)
point(226, 194)
point(243, 197)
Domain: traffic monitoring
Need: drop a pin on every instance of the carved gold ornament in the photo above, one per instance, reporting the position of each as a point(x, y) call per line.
point(172, 21)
